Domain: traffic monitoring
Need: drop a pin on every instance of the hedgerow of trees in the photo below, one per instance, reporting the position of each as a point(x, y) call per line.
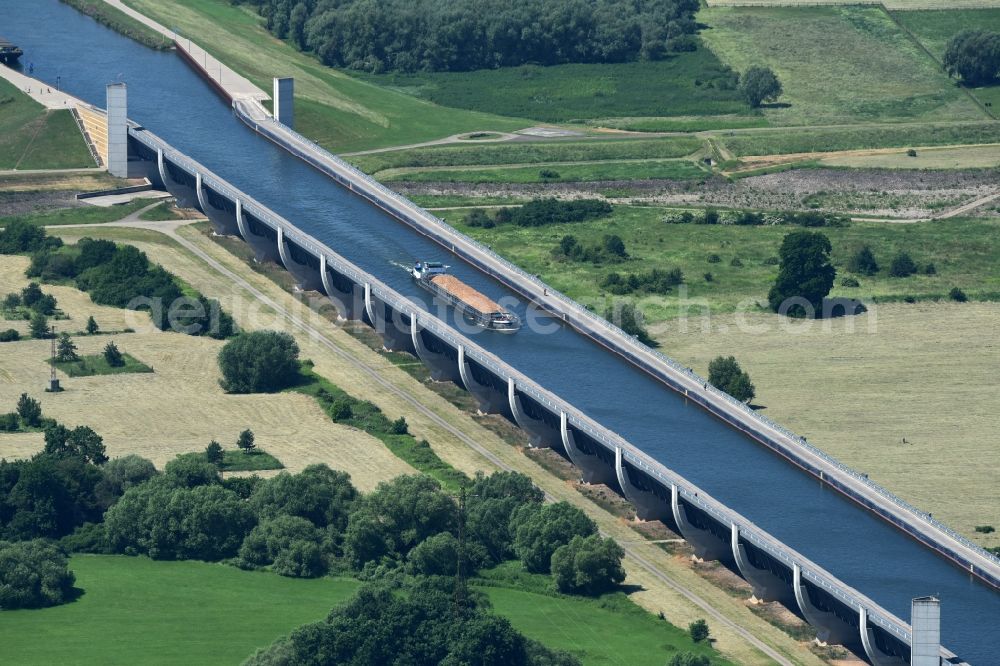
point(413, 35)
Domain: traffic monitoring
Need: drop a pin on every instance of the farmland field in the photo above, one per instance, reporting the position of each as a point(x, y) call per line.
point(693, 83)
point(801, 140)
point(900, 5)
point(32, 137)
point(137, 610)
point(878, 74)
point(963, 252)
point(857, 386)
point(964, 157)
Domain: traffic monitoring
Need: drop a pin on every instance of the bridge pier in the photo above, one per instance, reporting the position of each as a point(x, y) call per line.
point(184, 194)
point(392, 326)
point(223, 222)
point(766, 585)
point(829, 627)
point(264, 248)
point(541, 435)
point(707, 546)
point(592, 469)
point(491, 401)
point(874, 654)
point(647, 505)
point(347, 297)
point(308, 277)
point(442, 367)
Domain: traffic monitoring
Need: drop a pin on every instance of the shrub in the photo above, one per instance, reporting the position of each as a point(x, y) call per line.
point(259, 362)
point(689, 659)
point(930, 269)
point(341, 409)
point(113, 356)
point(539, 531)
point(39, 327)
point(771, 261)
point(548, 174)
point(10, 335)
point(708, 277)
point(435, 556)
point(479, 218)
point(191, 470)
point(957, 295)
point(9, 422)
point(985, 529)
point(540, 212)
point(214, 453)
point(30, 410)
point(33, 574)
point(863, 262)
point(698, 630)
point(588, 565)
point(735, 262)
point(911, 152)
point(127, 472)
point(710, 216)
point(849, 282)
point(271, 540)
point(714, 258)
point(902, 266)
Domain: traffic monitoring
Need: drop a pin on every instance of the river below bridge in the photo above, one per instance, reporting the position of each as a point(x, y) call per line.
point(166, 96)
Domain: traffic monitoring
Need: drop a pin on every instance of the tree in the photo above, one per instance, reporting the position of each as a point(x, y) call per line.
point(214, 453)
point(863, 262)
point(957, 295)
point(492, 501)
point(319, 494)
point(629, 318)
point(189, 471)
point(398, 515)
point(39, 326)
point(698, 630)
point(974, 56)
point(33, 574)
point(65, 349)
point(902, 266)
point(92, 327)
point(285, 539)
point(113, 356)
point(81, 442)
point(30, 411)
point(206, 522)
point(759, 84)
point(434, 556)
point(805, 274)
point(245, 442)
point(588, 565)
point(259, 362)
point(725, 374)
point(123, 473)
point(540, 530)
point(31, 294)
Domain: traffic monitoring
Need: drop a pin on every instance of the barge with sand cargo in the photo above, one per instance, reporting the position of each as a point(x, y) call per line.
point(483, 311)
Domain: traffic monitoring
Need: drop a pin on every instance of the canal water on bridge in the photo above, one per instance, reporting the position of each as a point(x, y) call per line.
point(173, 102)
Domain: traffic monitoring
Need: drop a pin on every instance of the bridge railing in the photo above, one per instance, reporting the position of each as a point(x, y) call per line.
point(578, 419)
point(601, 323)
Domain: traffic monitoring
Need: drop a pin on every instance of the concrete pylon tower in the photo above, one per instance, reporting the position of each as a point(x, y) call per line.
point(925, 621)
point(117, 104)
point(284, 90)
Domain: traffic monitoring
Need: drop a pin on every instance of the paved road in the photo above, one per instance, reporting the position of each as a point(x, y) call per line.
point(42, 93)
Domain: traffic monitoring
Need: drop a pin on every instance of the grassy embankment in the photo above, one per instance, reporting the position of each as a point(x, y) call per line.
point(194, 612)
point(81, 214)
point(933, 29)
point(32, 137)
point(878, 74)
point(121, 22)
point(962, 250)
point(338, 111)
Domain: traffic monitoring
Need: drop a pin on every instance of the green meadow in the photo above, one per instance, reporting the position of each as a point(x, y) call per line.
point(33, 138)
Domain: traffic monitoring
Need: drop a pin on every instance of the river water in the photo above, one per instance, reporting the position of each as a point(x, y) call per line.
point(166, 96)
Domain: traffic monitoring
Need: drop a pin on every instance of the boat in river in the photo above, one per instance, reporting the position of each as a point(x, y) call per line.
point(483, 311)
point(8, 52)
